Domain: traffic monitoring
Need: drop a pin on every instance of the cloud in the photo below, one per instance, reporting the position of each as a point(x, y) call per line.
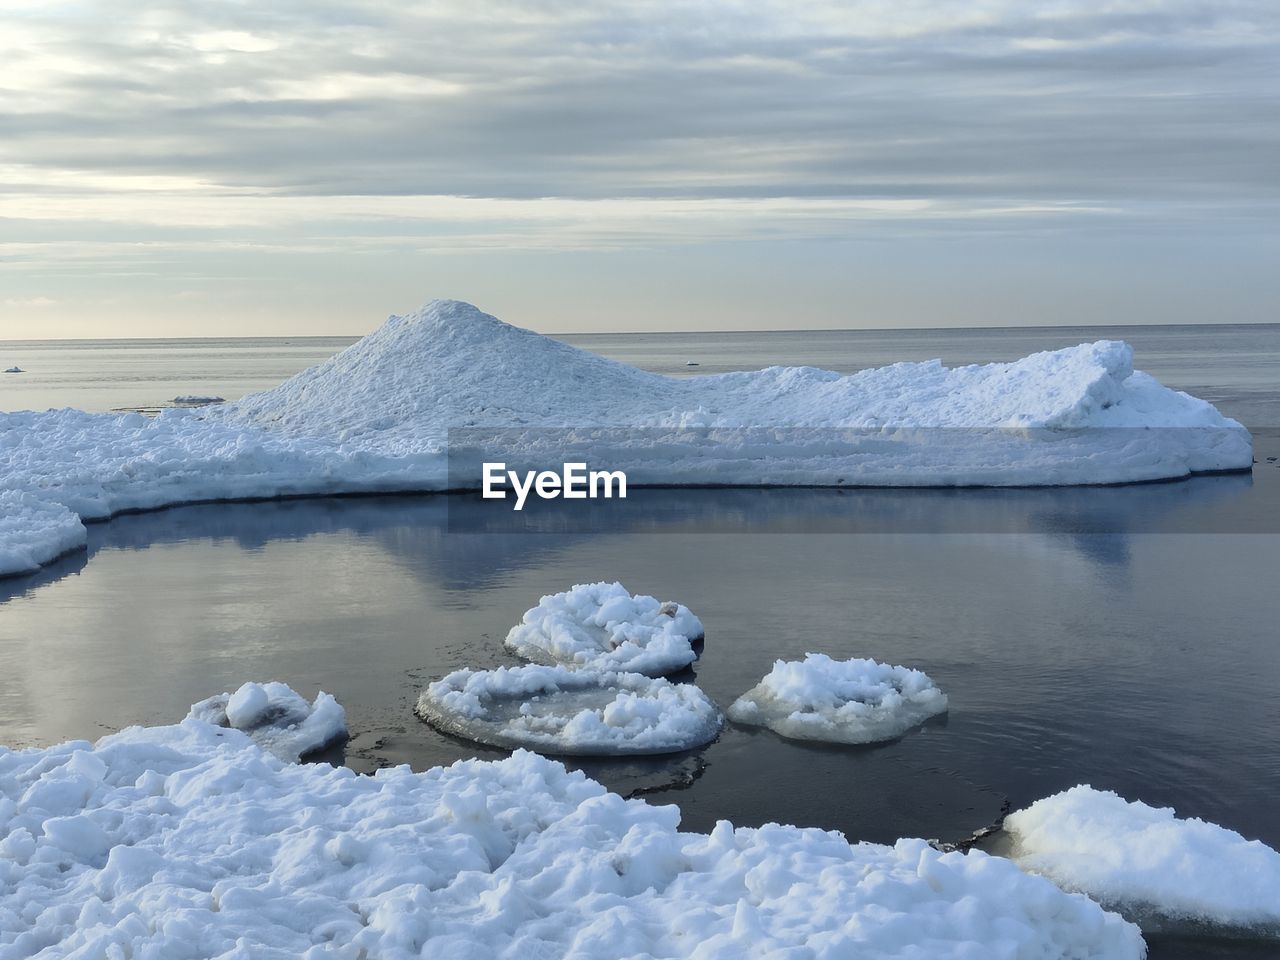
point(136, 133)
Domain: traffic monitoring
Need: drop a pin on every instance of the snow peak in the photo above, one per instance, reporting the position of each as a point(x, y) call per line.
point(573, 482)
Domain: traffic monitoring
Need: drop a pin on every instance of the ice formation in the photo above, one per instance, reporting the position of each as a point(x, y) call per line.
point(184, 842)
point(35, 531)
point(602, 626)
point(276, 718)
point(376, 417)
point(571, 712)
point(1147, 863)
point(843, 701)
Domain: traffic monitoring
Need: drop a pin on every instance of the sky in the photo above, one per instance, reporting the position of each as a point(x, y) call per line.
point(291, 167)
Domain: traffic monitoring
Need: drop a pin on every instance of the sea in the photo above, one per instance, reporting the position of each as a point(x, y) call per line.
point(1128, 638)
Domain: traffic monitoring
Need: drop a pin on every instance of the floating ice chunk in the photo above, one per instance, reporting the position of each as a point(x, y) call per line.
point(1145, 862)
point(572, 712)
point(277, 718)
point(844, 701)
point(196, 400)
point(602, 626)
point(15, 370)
point(181, 842)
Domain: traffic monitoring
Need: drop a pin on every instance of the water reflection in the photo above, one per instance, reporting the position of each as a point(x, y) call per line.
point(1082, 635)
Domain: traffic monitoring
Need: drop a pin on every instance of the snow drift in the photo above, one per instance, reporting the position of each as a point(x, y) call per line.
point(379, 416)
point(1149, 864)
point(184, 842)
point(277, 718)
point(571, 712)
point(602, 626)
point(842, 701)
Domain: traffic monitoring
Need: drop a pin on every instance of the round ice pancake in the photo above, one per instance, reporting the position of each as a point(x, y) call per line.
point(574, 712)
point(276, 717)
point(602, 626)
point(842, 701)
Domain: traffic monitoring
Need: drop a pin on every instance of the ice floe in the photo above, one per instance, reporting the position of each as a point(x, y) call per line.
point(603, 626)
point(555, 709)
point(1149, 864)
point(843, 701)
point(183, 841)
point(277, 718)
point(379, 417)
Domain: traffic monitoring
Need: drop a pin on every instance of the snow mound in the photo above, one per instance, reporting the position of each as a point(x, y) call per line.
point(378, 417)
point(602, 626)
point(571, 712)
point(276, 718)
point(843, 701)
point(1147, 863)
point(184, 842)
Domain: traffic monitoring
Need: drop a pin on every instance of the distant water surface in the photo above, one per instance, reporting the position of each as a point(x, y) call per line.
point(1234, 366)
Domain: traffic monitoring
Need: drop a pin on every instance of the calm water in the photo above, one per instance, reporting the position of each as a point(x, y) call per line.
point(1079, 639)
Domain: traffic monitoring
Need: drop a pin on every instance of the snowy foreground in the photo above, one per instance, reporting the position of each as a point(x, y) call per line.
point(378, 416)
point(1158, 869)
point(843, 701)
point(193, 841)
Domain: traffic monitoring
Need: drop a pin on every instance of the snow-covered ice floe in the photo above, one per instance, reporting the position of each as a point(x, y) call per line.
point(276, 718)
point(196, 400)
point(184, 842)
point(571, 712)
point(843, 701)
point(378, 417)
point(1159, 870)
point(602, 626)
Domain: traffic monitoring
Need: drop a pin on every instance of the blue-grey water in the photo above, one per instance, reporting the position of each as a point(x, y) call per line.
point(1083, 636)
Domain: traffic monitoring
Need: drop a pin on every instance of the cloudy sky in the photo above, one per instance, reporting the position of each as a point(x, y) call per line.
point(309, 166)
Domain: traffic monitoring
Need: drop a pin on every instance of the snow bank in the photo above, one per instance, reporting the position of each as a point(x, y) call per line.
point(844, 701)
point(571, 712)
point(184, 842)
point(276, 718)
point(1147, 863)
point(34, 532)
point(602, 626)
point(377, 418)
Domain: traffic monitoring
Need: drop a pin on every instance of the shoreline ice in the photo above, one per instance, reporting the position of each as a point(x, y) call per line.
point(184, 841)
point(1158, 869)
point(377, 417)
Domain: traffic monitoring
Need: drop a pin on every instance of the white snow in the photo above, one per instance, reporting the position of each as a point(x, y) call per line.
point(843, 701)
point(557, 709)
point(277, 718)
point(33, 532)
point(191, 841)
point(376, 417)
point(602, 626)
point(1148, 863)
